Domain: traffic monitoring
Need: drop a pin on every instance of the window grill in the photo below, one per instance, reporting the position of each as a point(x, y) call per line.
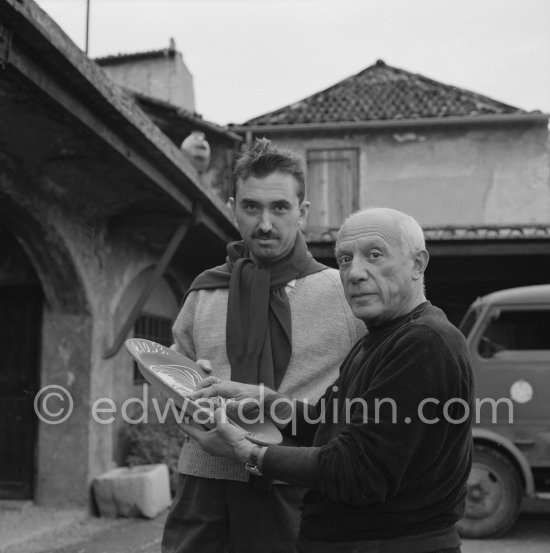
point(155, 328)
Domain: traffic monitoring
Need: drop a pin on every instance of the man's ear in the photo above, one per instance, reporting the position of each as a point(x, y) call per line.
point(304, 209)
point(233, 206)
point(420, 263)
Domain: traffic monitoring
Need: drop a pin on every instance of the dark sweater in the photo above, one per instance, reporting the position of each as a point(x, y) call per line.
point(373, 477)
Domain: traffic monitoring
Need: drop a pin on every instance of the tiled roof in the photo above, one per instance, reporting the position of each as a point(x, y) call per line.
point(382, 92)
point(448, 233)
point(178, 115)
point(115, 59)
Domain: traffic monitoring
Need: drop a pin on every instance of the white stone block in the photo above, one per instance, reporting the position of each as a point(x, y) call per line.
point(142, 490)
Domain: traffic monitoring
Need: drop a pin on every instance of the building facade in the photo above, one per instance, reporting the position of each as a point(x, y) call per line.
point(473, 171)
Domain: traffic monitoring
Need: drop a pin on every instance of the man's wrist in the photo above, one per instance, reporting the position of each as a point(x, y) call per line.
point(243, 450)
point(254, 461)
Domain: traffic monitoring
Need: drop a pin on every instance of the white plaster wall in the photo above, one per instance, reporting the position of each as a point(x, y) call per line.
point(455, 177)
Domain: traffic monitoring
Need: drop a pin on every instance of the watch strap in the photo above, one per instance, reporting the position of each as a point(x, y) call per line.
point(253, 465)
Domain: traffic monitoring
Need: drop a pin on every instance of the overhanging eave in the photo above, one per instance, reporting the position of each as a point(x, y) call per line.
point(41, 53)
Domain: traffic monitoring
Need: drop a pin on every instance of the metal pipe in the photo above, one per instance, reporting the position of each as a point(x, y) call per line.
point(87, 25)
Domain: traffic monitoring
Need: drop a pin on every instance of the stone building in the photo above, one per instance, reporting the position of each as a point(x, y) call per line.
point(104, 222)
point(472, 170)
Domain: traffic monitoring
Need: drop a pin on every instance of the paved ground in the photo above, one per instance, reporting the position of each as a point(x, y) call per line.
point(531, 534)
point(22, 520)
point(91, 535)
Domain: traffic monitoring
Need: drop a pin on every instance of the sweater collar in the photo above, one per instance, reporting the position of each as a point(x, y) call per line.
point(377, 330)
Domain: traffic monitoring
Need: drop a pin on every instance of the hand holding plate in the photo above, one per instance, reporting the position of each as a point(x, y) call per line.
point(184, 381)
point(205, 365)
point(212, 386)
point(225, 440)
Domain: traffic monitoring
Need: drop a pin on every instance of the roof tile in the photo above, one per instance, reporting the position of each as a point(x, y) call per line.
point(382, 92)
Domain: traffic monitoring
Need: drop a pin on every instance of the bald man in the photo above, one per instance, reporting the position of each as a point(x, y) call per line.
point(387, 459)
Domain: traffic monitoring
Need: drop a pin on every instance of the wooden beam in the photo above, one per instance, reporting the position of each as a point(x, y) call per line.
point(160, 269)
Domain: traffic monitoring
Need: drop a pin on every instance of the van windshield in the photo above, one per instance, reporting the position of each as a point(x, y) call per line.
point(469, 320)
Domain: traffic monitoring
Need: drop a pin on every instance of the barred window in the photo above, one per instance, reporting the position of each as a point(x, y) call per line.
point(155, 328)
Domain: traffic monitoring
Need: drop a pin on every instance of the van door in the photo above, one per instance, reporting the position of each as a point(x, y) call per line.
point(512, 355)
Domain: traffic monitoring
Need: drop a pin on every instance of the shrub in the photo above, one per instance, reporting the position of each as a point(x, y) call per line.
point(154, 442)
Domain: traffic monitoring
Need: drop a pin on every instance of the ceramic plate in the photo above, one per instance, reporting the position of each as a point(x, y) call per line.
point(176, 376)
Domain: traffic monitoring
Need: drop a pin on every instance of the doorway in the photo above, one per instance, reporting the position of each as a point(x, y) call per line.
point(21, 301)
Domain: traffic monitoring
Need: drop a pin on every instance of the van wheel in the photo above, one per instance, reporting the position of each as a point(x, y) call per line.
point(494, 495)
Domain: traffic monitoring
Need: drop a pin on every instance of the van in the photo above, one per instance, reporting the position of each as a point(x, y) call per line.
point(508, 333)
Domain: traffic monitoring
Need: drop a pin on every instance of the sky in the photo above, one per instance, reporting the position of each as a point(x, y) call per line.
point(249, 57)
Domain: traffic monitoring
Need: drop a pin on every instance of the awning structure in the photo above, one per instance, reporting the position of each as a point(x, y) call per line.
point(74, 139)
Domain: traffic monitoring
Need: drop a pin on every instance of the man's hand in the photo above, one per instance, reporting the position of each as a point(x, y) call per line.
point(205, 365)
point(213, 386)
point(241, 399)
point(245, 401)
point(226, 440)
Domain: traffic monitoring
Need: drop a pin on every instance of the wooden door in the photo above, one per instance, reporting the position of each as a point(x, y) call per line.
point(332, 186)
point(20, 322)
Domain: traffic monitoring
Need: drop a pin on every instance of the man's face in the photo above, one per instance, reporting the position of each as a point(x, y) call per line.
point(268, 214)
point(378, 278)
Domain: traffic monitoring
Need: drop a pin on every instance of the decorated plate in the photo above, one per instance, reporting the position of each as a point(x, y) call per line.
point(177, 376)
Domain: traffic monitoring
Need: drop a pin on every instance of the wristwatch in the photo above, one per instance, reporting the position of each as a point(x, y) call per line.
point(253, 464)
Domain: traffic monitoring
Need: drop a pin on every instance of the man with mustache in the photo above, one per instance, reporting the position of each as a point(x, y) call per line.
point(270, 315)
point(390, 479)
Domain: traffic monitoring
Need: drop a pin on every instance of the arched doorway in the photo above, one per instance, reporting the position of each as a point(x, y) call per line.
point(21, 301)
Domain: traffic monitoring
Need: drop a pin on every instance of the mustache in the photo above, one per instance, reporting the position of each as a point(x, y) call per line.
point(265, 235)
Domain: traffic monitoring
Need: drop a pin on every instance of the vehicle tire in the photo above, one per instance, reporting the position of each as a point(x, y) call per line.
point(494, 495)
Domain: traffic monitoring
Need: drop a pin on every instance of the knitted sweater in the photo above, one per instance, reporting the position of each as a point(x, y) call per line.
point(395, 470)
point(323, 331)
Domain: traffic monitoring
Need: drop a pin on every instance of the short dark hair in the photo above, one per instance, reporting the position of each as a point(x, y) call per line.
point(262, 158)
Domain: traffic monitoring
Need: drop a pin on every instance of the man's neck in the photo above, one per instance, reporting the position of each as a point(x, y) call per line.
point(411, 306)
point(416, 301)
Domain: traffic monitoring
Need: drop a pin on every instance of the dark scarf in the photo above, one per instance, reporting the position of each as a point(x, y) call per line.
point(259, 331)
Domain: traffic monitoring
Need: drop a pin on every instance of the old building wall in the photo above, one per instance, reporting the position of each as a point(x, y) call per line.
point(218, 177)
point(91, 278)
point(63, 449)
point(32, 217)
point(116, 270)
point(461, 176)
point(163, 302)
point(477, 177)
